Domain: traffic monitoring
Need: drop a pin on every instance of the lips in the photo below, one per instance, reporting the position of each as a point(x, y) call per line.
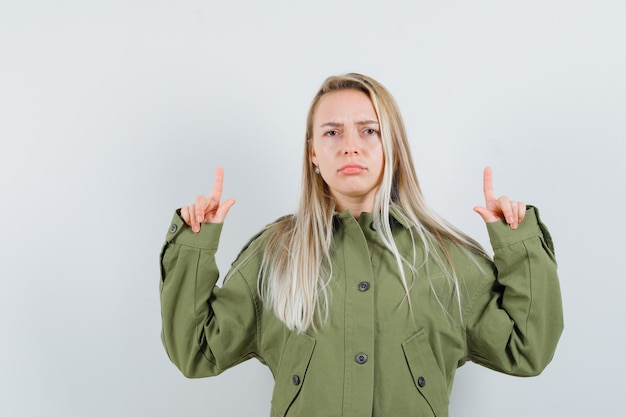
point(351, 169)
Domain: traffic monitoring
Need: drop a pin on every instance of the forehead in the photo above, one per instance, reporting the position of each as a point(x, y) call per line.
point(345, 104)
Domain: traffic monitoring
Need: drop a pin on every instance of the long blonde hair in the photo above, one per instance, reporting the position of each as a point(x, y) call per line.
point(296, 267)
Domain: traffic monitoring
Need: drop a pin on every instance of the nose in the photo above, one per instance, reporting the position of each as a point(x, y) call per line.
point(351, 144)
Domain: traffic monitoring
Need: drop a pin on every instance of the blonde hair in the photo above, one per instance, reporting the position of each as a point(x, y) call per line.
point(296, 267)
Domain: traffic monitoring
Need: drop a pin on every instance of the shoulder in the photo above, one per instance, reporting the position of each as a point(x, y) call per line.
point(475, 271)
point(248, 263)
point(257, 243)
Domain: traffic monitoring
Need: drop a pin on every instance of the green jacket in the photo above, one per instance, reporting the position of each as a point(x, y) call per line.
point(376, 356)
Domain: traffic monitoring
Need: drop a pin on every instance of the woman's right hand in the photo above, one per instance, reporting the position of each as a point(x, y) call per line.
point(208, 209)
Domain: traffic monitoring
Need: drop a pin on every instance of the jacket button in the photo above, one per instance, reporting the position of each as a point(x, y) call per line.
point(173, 228)
point(421, 381)
point(360, 358)
point(364, 286)
point(295, 379)
point(373, 226)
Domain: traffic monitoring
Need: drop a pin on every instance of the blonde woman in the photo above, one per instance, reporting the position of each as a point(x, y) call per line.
point(364, 302)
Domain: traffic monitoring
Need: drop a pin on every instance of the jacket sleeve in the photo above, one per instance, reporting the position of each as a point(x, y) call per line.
point(517, 318)
point(205, 329)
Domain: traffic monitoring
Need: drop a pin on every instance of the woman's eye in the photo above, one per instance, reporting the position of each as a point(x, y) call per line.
point(331, 133)
point(371, 132)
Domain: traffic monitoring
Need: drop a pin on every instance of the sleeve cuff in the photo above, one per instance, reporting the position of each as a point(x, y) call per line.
point(500, 234)
point(207, 238)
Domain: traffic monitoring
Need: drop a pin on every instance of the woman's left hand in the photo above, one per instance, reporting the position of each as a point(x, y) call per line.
point(501, 208)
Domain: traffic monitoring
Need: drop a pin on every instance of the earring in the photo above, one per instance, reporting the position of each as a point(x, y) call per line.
point(317, 170)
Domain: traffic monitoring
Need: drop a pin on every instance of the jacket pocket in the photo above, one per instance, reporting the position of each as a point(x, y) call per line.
point(291, 373)
point(426, 374)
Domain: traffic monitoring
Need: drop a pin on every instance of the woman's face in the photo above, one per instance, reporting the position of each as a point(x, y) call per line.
point(347, 148)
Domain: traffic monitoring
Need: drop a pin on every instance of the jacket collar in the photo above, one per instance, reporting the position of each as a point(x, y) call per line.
point(395, 218)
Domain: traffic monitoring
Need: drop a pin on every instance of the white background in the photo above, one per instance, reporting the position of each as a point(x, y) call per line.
point(114, 113)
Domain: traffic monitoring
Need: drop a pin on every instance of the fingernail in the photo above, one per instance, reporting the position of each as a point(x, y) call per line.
point(200, 218)
point(196, 229)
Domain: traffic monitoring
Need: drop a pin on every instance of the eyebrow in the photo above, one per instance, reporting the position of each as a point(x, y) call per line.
point(361, 122)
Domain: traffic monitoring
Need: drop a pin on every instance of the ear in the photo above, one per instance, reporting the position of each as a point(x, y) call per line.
point(313, 156)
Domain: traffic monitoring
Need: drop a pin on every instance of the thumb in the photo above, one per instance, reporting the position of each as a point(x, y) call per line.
point(222, 211)
point(485, 214)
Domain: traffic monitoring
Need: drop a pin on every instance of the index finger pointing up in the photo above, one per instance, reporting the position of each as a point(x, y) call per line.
point(218, 183)
point(488, 185)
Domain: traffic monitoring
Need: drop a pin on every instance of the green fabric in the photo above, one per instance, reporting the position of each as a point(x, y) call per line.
point(511, 312)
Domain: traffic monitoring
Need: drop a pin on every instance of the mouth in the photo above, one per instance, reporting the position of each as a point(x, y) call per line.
point(351, 169)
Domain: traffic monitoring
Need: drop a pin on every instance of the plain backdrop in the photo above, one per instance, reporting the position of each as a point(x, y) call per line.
point(114, 113)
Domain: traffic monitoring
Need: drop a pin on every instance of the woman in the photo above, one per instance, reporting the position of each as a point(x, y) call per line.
point(364, 302)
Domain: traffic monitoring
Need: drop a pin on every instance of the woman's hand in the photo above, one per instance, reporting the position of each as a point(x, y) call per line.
point(208, 209)
point(501, 208)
